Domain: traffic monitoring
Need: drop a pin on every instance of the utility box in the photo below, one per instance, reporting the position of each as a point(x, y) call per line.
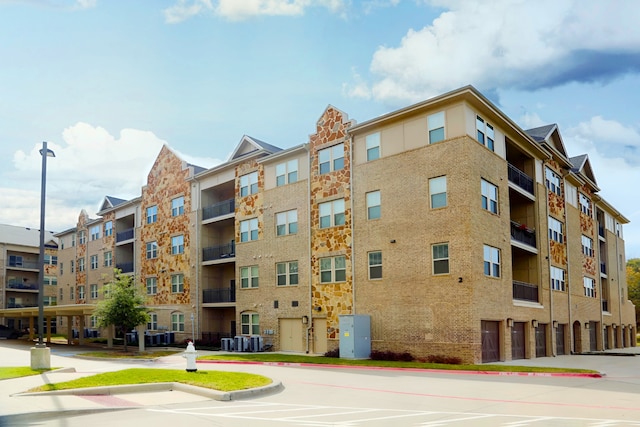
point(355, 336)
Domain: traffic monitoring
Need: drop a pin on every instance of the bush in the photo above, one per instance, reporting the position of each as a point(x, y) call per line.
point(447, 360)
point(333, 353)
point(391, 356)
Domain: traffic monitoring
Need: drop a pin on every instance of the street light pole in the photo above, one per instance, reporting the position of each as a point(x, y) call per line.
point(40, 355)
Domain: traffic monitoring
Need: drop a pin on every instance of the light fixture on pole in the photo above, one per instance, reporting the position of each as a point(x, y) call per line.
point(40, 355)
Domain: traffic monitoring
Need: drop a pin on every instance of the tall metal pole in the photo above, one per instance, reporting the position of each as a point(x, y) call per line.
point(44, 153)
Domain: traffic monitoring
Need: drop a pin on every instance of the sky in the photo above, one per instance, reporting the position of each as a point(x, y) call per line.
point(108, 83)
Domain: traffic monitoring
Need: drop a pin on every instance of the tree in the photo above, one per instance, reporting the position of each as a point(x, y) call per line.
point(122, 307)
point(633, 283)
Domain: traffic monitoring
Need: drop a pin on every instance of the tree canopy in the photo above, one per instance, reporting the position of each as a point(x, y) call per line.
point(633, 283)
point(123, 305)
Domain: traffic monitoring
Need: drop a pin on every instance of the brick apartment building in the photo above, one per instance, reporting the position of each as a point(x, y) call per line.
point(453, 229)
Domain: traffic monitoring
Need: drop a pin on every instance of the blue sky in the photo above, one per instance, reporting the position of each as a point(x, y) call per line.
point(106, 83)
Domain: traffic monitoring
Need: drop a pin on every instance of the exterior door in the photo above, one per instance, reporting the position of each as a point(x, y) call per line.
point(490, 341)
point(517, 341)
point(560, 340)
point(291, 335)
point(541, 341)
point(320, 336)
point(593, 336)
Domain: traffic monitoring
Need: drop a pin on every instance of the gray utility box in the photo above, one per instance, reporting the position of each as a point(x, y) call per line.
point(355, 336)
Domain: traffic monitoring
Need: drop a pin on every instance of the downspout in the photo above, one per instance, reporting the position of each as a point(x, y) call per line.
point(568, 280)
point(546, 192)
point(197, 257)
point(599, 264)
point(309, 235)
point(618, 275)
point(353, 255)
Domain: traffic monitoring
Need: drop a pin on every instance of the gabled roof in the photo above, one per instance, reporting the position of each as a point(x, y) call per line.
point(541, 133)
point(111, 202)
point(249, 145)
point(25, 236)
point(549, 136)
point(582, 166)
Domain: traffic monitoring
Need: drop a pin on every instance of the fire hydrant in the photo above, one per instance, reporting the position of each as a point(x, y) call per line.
point(190, 354)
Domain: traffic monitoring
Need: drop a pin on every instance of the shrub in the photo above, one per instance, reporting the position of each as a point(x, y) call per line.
point(333, 353)
point(391, 356)
point(447, 360)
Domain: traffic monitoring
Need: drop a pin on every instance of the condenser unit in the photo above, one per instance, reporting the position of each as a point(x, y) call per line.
point(257, 343)
point(227, 344)
point(241, 343)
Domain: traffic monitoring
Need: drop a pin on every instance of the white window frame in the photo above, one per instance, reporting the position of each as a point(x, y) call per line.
point(108, 228)
point(556, 230)
point(437, 188)
point(93, 289)
point(585, 205)
point(435, 127)
point(287, 172)
point(177, 244)
point(72, 293)
point(250, 324)
point(81, 292)
point(73, 266)
point(73, 240)
point(485, 133)
point(333, 269)
point(287, 273)
point(489, 196)
point(152, 324)
point(440, 259)
point(287, 222)
point(152, 285)
point(374, 208)
point(152, 214)
point(552, 181)
point(331, 214)
point(50, 259)
point(152, 250)
point(249, 277)
point(589, 287)
point(249, 184)
point(177, 206)
point(587, 246)
point(249, 230)
point(375, 265)
point(177, 283)
point(93, 261)
point(108, 259)
point(82, 237)
point(491, 261)
point(558, 279)
point(50, 281)
point(372, 142)
point(81, 265)
point(94, 232)
point(177, 322)
point(331, 159)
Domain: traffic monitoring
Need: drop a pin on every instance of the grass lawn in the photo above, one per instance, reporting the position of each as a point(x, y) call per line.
point(21, 371)
point(321, 360)
point(222, 381)
point(130, 354)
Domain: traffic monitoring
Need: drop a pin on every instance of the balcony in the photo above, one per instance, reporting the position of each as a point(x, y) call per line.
point(525, 291)
point(521, 233)
point(520, 179)
point(32, 265)
point(127, 234)
point(218, 295)
point(213, 253)
point(125, 267)
point(218, 209)
point(23, 286)
point(25, 305)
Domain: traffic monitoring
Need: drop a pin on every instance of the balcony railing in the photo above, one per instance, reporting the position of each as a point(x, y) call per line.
point(218, 252)
point(33, 265)
point(605, 305)
point(125, 267)
point(25, 286)
point(125, 235)
point(24, 305)
point(523, 234)
point(520, 179)
point(219, 295)
point(219, 209)
point(525, 291)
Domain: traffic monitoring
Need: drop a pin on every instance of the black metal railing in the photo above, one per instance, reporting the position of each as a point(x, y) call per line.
point(213, 338)
point(125, 235)
point(27, 286)
point(520, 179)
point(525, 291)
point(33, 265)
point(605, 305)
point(218, 252)
point(219, 295)
point(23, 305)
point(125, 267)
point(523, 234)
point(219, 209)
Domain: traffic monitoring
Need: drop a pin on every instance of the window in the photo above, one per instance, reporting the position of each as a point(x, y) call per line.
point(331, 213)
point(333, 269)
point(438, 192)
point(552, 181)
point(94, 291)
point(485, 133)
point(93, 322)
point(373, 146)
point(82, 237)
point(152, 324)
point(249, 277)
point(587, 246)
point(491, 261)
point(94, 262)
point(331, 159)
point(287, 273)
point(589, 287)
point(177, 245)
point(81, 264)
point(73, 266)
point(177, 322)
point(489, 196)
point(47, 301)
point(72, 293)
point(73, 240)
point(435, 124)
point(15, 261)
point(557, 279)
point(108, 259)
point(108, 228)
point(249, 184)
point(50, 259)
point(585, 205)
point(62, 240)
point(152, 250)
point(152, 285)
point(177, 206)
point(440, 258)
point(94, 232)
point(555, 230)
point(50, 281)
point(375, 265)
point(287, 223)
point(152, 214)
point(61, 297)
point(250, 323)
point(373, 205)
point(287, 172)
point(249, 230)
point(61, 269)
point(177, 283)
point(81, 292)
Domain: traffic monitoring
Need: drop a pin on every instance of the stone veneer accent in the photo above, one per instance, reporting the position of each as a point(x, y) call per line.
point(588, 228)
point(81, 252)
point(250, 206)
point(558, 251)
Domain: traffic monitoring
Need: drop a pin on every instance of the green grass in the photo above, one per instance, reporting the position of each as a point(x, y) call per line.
point(320, 360)
point(129, 354)
point(222, 381)
point(17, 372)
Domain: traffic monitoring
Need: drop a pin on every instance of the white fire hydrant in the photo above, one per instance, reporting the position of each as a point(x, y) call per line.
point(190, 354)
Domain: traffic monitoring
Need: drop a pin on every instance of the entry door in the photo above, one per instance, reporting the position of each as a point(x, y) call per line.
point(490, 341)
point(517, 341)
point(560, 340)
point(320, 336)
point(541, 341)
point(291, 335)
point(593, 337)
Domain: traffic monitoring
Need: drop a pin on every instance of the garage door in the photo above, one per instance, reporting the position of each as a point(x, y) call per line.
point(291, 335)
point(517, 341)
point(541, 341)
point(490, 341)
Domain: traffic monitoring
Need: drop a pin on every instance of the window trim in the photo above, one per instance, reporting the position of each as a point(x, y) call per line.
point(151, 214)
point(251, 278)
point(556, 230)
point(587, 249)
point(151, 252)
point(177, 249)
point(374, 265)
point(558, 279)
point(177, 321)
point(252, 324)
point(333, 270)
point(249, 224)
point(336, 217)
point(589, 287)
point(432, 183)
point(487, 187)
point(372, 146)
point(433, 120)
point(371, 208)
point(290, 225)
point(552, 181)
point(177, 206)
point(288, 274)
point(248, 184)
point(493, 264)
point(335, 154)
point(151, 284)
point(438, 258)
point(290, 172)
point(485, 129)
point(177, 283)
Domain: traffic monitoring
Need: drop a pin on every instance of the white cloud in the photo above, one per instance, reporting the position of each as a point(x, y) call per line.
point(608, 138)
point(509, 44)
point(530, 121)
point(184, 10)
